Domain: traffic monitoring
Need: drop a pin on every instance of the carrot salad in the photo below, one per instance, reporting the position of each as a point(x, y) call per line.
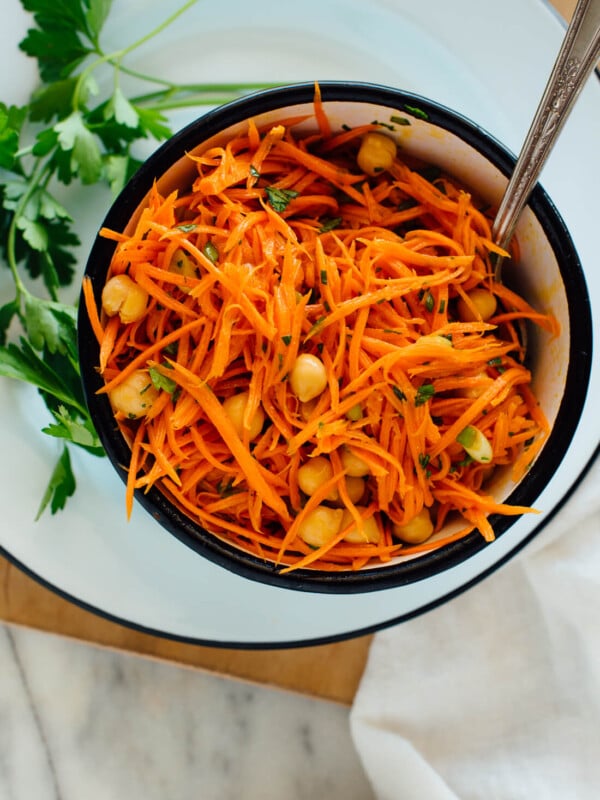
point(308, 353)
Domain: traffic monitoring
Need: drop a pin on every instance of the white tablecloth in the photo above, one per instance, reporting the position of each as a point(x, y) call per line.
point(496, 694)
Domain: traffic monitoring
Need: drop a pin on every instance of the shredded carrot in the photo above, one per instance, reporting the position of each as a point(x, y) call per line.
point(280, 248)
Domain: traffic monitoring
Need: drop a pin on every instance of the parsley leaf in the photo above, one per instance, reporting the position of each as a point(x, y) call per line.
point(66, 33)
point(161, 381)
point(49, 324)
point(72, 138)
point(21, 362)
point(61, 486)
point(11, 120)
point(329, 224)
point(279, 199)
point(74, 430)
point(121, 109)
point(76, 138)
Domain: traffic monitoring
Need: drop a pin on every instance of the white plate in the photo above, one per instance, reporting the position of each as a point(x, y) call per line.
point(477, 57)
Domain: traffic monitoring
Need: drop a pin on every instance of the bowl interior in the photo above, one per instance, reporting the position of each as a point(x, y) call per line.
point(549, 276)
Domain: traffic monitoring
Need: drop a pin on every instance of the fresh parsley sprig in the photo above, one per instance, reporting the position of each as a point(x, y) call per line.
point(69, 132)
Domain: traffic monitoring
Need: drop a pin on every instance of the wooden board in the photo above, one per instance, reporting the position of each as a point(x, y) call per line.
point(330, 671)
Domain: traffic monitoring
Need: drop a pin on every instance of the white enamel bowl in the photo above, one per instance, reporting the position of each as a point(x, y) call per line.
point(550, 277)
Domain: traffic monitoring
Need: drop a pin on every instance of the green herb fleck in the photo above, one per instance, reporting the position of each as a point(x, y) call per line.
point(424, 393)
point(316, 326)
point(399, 393)
point(160, 381)
point(324, 277)
point(279, 199)
point(287, 339)
point(171, 349)
point(400, 120)
point(416, 112)
point(329, 224)
point(383, 124)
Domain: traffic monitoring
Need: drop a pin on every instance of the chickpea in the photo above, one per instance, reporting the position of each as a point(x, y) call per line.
point(355, 487)
point(183, 264)
point(320, 525)
point(417, 530)
point(308, 377)
point(235, 408)
point(473, 392)
point(376, 154)
point(353, 465)
point(307, 409)
point(135, 395)
point(485, 304)
point(123, 296)
point(370, 533)
point(313, 474)
point(434, 338)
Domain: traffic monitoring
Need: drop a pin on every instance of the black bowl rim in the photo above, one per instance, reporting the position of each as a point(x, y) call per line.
point(578, 373)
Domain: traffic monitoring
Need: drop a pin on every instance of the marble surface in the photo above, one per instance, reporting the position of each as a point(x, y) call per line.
point(77, 721)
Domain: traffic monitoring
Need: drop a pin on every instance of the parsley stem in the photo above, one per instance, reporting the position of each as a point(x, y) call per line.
point(172, 89)
point(155, 31)
point(34, 182)
point(118, 55)
point(197, 100)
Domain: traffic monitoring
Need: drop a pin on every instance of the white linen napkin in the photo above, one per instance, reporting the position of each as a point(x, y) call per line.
point(495, 694)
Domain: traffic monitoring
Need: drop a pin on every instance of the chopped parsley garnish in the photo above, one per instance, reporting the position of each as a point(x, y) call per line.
point(279, 199)
point(416, 112)
point(329, 224)
point(316, 326)
point(399, 393)
point(428, 301)
point(424, 393)
point(383, 124)
point(160, 381)
point(400, 120)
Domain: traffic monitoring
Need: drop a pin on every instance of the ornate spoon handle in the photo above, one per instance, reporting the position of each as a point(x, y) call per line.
point(576, 59)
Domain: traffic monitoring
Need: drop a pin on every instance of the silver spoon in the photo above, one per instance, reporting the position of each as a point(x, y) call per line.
point(579, 53)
